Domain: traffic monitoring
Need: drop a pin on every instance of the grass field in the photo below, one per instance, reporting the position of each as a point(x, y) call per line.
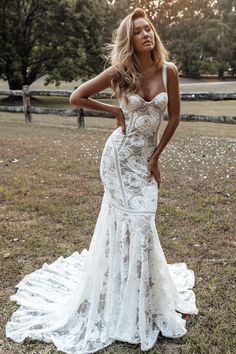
point(50, 198)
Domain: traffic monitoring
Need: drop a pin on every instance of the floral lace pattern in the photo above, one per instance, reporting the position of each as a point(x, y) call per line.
point(121, 288)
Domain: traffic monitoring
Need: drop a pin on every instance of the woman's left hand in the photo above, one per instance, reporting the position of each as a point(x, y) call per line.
point(154, 170)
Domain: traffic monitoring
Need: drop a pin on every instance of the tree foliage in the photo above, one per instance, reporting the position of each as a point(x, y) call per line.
point(200, 34)
point(63, 39)
point(58, 38)
point(34, 36)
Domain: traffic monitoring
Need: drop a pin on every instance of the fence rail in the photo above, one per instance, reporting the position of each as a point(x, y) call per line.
point(185, 96)
point(28, 110)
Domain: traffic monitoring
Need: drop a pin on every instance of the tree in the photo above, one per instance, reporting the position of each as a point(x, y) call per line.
point(200, 34)
point(185, 31)
point(226, 36)
point(58, 38)
point(93, 28)
point(29, 40)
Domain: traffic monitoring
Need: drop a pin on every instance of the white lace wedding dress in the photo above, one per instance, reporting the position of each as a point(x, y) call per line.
point(121, 288)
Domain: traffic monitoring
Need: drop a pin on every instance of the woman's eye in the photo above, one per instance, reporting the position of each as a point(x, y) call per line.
point(148, 29)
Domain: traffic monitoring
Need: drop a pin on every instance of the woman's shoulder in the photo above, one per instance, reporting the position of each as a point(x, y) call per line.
point(110, 71)
point(171, 68)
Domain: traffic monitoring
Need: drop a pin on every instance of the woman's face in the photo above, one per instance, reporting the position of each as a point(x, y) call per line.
point(143, 36)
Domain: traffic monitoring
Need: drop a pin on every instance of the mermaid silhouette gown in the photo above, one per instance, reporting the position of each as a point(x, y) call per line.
point(121, 288)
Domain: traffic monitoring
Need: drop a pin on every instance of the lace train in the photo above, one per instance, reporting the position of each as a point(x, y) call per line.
point(120, 289)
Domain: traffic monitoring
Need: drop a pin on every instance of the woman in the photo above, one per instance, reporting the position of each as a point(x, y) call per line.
point(121, 288)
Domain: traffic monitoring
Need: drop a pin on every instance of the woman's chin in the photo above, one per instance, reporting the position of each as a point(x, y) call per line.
point(145, 49)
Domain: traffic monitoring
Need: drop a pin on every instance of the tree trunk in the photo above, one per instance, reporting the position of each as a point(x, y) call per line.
point(220, 73)
point(14, 85)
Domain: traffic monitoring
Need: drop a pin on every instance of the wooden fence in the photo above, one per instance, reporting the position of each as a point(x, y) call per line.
point(28, 110)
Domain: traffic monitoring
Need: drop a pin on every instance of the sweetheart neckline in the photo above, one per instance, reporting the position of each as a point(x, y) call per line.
point(158, 94)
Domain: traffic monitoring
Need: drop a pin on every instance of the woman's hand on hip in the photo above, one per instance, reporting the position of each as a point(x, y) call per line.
point(154, 170)
point(120, 119)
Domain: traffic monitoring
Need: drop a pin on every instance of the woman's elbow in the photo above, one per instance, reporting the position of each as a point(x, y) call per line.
point(174, 120)
point(74, 99)
point(177, 120)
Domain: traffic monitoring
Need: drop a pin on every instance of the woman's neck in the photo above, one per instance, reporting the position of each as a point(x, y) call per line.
point(146, 62)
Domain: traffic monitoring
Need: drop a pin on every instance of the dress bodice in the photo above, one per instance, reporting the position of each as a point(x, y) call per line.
point(145, 116)
point(129, 153)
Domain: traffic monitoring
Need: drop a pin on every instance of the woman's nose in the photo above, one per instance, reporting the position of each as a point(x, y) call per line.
point(145, 34)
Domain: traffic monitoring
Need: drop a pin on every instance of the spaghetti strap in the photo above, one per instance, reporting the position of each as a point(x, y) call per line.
point(164, 76)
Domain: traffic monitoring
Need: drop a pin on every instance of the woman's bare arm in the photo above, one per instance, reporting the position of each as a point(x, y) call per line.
point(173, 109)
point(80, 97)
point(173, 121)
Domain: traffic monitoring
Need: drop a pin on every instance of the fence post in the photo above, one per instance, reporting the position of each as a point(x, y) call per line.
point(26, 103)
point(80, 118)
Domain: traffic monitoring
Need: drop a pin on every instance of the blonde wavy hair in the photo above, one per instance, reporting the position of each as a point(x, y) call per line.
point(123, 58)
